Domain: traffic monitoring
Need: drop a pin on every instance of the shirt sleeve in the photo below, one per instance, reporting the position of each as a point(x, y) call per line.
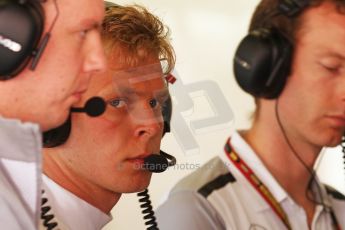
point(188, 210)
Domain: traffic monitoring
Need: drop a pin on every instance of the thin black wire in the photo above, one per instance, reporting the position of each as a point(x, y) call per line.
point(310, 171)
point(343, 149)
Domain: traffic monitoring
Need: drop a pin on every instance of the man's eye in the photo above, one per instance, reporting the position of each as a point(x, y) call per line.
point(333, 69)
point(154, 103)
point(158, 104)
point(331, 64)
point(117, 103)
point(83, 33)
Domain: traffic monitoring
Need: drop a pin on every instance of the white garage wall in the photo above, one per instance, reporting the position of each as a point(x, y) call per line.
point(205, 34)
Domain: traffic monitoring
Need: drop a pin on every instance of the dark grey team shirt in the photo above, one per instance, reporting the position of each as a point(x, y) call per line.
point(178, 213)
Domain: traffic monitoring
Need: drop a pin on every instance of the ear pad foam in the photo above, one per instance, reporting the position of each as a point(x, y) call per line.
point(57, 136)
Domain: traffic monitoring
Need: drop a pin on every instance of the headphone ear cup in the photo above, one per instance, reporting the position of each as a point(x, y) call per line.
point(58, 136)
point(21, 26)
point(167, 113)
point(262, 63)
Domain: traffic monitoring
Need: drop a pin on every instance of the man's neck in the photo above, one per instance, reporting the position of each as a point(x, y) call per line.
point(280, 159)
point(267, 139)
point(100, 198)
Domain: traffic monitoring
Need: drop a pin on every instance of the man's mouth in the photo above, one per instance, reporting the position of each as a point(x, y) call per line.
point(139, 159)
point(338, 121)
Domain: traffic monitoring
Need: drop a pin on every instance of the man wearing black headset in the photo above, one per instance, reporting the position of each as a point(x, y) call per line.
point(99, 158)
point(293, 62)
point(48, 50)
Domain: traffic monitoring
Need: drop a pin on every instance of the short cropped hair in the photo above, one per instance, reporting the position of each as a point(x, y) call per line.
point(265, 16)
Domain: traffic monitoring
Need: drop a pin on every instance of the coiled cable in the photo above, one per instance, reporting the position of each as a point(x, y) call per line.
point(47, 219)
point(147, 210)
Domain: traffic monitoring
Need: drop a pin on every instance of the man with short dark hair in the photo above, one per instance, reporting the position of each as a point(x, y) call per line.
point(293, 63)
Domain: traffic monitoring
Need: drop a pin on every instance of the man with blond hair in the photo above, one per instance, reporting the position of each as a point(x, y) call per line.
point(102, 157)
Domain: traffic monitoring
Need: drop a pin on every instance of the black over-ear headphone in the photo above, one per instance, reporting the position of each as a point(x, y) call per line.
point(59, 135)
point(21, 27)
point(262, 60)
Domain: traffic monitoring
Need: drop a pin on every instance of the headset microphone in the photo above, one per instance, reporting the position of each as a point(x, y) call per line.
point(159, 163)
point(94, 107)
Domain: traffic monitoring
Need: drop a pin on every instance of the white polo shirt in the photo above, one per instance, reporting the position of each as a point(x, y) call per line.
point(218, 196)
point(70, 212)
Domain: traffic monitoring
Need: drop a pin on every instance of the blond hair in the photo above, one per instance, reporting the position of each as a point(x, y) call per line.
point(138, 34)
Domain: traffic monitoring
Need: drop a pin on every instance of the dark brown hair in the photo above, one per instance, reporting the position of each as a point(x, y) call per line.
point(266, 15)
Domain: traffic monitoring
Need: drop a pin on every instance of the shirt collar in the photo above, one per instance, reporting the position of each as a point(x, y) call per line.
point(89, 217)
point(317, 188)
point(19, 139)
point(248, 155)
